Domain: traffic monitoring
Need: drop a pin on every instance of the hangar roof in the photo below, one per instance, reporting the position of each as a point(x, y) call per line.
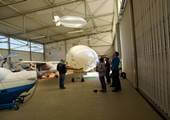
point(34, 19)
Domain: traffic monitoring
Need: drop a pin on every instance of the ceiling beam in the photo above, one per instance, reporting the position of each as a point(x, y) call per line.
point(34, 30)
point(18, 11)
point(51, 26)
point(66, 39)
point(41, 9)
point(84, 30)
point(103, 15)
point(101, 45)
point(101, 40)
point(19, 38)
point(11, 26)
point(100, 6)
point(13, 3)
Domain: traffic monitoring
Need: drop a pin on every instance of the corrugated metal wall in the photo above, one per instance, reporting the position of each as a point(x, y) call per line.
point(152, 38)
point(151, 25)
point(127, 45)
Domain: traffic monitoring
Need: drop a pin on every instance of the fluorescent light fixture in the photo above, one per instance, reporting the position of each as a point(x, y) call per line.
point(37, 37)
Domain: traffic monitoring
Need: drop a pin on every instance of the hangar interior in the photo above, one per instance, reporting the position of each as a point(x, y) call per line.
point(137, 29)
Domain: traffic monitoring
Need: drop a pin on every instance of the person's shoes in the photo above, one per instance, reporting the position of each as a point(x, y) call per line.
point(116, 90)
point(62, 87)
point(103, 90)
point(95, 90)
point(108, 83)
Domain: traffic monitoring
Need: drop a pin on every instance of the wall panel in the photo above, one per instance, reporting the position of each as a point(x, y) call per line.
point(127, 45)
point(152, 27)
point(37, 56)
point(20, 55)
point(101, 43)
point(3, 52)
point(151, 36)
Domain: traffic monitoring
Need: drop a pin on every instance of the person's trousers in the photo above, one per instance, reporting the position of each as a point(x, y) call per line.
point(108, 76)
point(61, 80)
point(115, 80)
point(102, 81)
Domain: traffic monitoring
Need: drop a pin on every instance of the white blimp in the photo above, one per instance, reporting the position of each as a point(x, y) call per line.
point(82, 57)
point(70, 21)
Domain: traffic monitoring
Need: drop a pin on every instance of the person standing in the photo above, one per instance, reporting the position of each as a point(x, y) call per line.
point(100, 68)
point(115, 73)
point(107, 65)
point(61, 67)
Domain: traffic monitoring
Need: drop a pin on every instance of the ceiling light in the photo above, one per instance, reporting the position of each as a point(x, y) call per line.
point(37, 37)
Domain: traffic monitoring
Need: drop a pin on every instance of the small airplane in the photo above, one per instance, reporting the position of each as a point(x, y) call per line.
point(13, 85)
point(45, 69)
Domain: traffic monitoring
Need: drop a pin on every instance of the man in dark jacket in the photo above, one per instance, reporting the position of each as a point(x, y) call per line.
point(107, 65)
point(115, 73)
point(61, 67)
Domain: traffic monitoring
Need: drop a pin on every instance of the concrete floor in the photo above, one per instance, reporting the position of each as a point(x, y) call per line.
point(79, 102)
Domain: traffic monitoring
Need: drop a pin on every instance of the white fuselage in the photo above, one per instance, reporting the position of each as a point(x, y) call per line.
point(10, 79)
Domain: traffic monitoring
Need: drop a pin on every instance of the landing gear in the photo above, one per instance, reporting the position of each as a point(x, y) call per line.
point(16, 105)
point(82, 79)
point(17, 102)
point(21, 100)
point(78, 76)
point(73, 80)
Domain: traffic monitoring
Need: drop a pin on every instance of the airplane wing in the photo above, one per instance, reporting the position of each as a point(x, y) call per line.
point(44, 68)
point(34, 62)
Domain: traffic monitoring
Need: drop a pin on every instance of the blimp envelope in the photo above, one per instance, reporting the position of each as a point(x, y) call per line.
point(82, 57)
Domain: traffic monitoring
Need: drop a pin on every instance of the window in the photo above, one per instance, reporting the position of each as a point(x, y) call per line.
point(16, 44)
point(36, 47)
point(3, 42)
point(19, 45)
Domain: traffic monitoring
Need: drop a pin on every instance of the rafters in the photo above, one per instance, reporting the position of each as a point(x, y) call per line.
point(52, 26)
point(41, 9)
point(89, 34)
point(13, 3)
point(22, 32)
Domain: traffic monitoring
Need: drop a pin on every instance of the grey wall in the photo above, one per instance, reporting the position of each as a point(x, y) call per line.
point(127, 45)
point(101, 43)
point(151, 25)
point(23, 55)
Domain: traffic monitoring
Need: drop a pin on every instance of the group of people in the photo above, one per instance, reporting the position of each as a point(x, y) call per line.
point(103, 68)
